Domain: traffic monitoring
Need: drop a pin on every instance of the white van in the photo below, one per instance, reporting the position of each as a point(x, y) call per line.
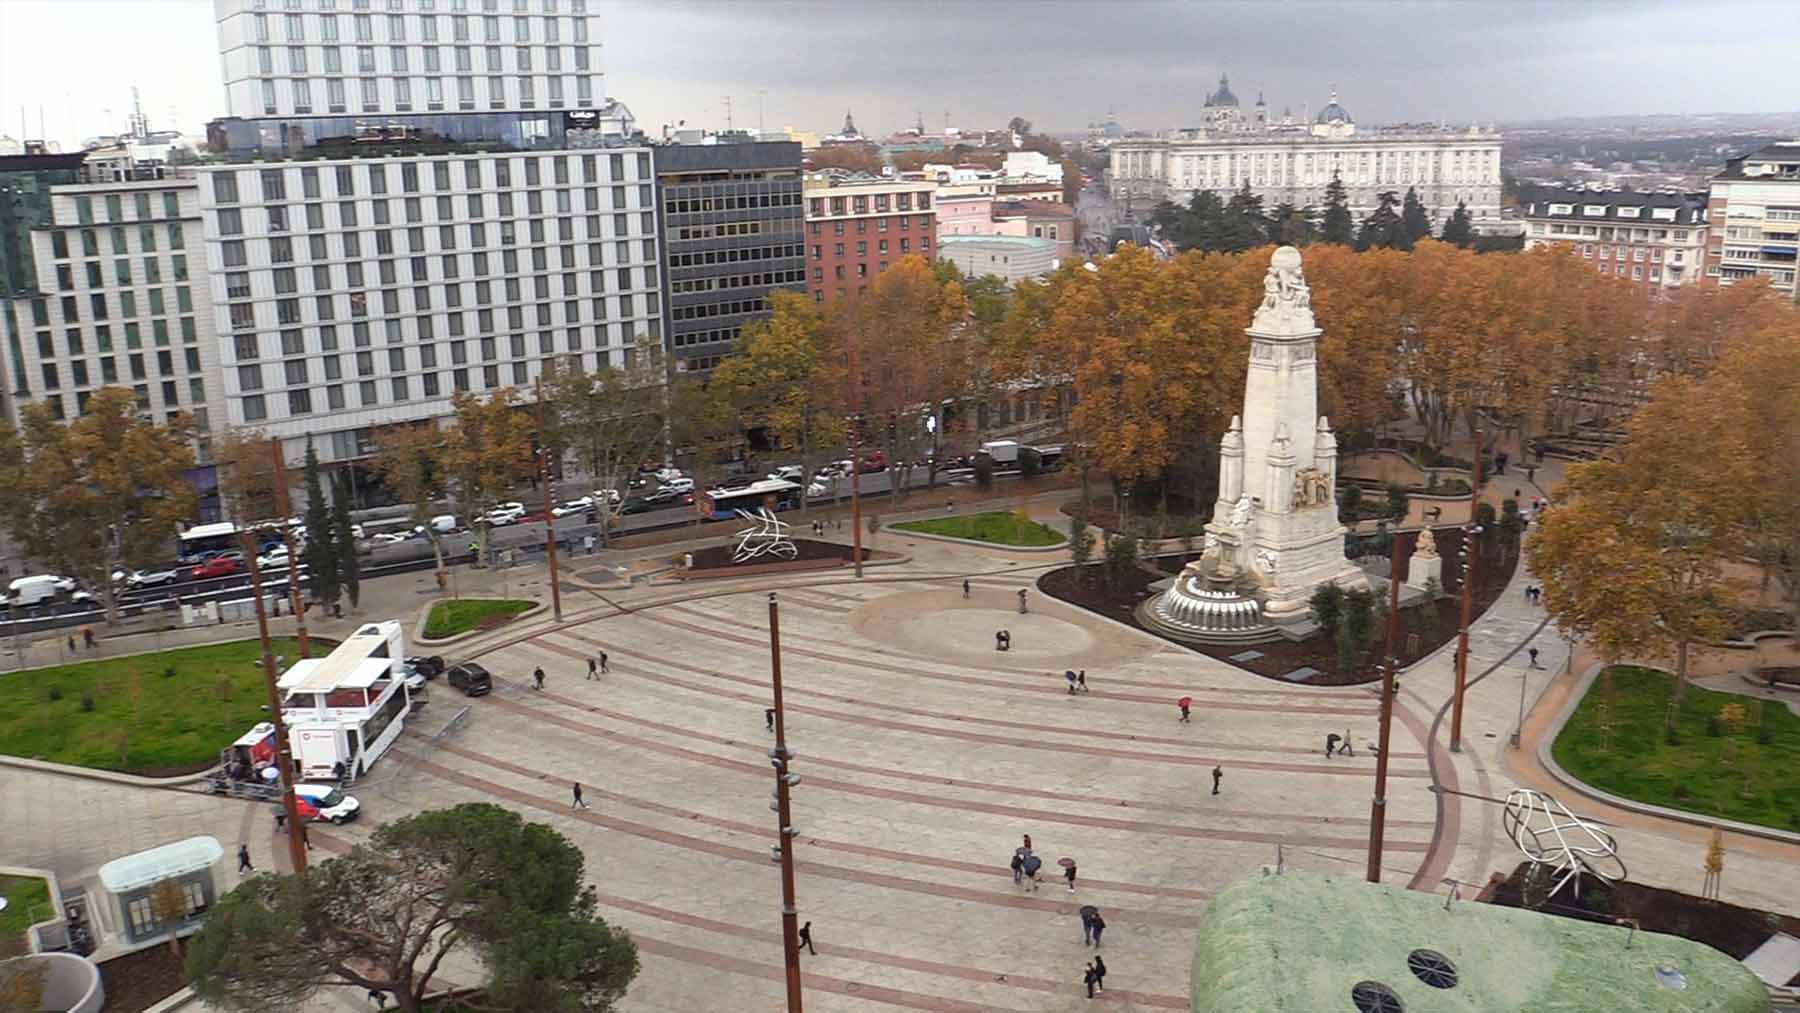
point(679, 485)
point(30, 590)
point(326, 802)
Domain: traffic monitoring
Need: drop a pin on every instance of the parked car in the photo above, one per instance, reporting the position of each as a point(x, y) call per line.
point(505, 513)
point(471, 678)
point(430, 665)
point(608, 495)
point(148, 577)
point(666, 494)
point(222, 565)
point(325, 803)
point(274, 559)
point(578, 505)
point(666, 475)
point(391, 537)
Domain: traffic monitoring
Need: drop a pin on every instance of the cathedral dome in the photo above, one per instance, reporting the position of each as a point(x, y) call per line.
point(1223, 97)
point(1334, 113)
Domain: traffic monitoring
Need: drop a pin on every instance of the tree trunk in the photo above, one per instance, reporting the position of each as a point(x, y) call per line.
point(1681, 669)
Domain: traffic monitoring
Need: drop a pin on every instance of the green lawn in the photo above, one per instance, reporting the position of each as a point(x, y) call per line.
point(142, 719)
point(1728, 774)
point(27, 901)
point(460, 615)
point(998, 527)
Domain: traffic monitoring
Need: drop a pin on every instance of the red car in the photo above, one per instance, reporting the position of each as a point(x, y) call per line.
point(538, 516)
point(223, 565)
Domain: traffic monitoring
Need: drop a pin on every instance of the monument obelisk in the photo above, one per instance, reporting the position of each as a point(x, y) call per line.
point(1275, 522)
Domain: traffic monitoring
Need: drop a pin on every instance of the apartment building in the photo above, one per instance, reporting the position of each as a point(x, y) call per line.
point(733, 222)
point(1754, 206)
point(421, 197)
point(857, 225)
point(1658, 239)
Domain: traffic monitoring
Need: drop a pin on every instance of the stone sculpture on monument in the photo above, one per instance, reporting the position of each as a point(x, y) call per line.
point(1275, 535)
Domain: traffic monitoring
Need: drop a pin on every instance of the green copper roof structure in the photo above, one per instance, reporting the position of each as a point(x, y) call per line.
point(1299, 942)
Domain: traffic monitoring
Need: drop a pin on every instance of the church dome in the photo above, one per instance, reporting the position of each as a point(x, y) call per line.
point(1223, 97)
point(1334, 113)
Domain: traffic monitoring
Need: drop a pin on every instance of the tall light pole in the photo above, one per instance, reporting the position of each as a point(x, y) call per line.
point(284, 755)
point(544, 479)
point(1471, 539)
point(779, 758)
point(1390, 671)
point(279, 475)
point(856, 552)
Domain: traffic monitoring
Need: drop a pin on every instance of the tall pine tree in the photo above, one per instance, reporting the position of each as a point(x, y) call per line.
point(1206, 222)
point(321, 545)
point(1336, 225)
point(1415, 221)
point(1245, 224)
point(343, 536)
point(1459, 227)
point(1291, 226)
point(1383, 228)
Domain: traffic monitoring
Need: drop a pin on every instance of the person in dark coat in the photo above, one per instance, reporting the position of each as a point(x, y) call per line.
point(1088, 979)
point(537, 677)
point(1099, 974)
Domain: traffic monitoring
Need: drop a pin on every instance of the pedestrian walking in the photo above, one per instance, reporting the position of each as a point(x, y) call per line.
point(1018, 868)
point(593, 669)
point(806, 940)
point(1088, 913)
point(1027, 838)
point(1069, 873)
point(769, 718)
point(965, 587)
point(1331, 742)
point(244, 858)
point(1022, 609)
point(1087, 979)
point(537, 677)
point(1218, 773)
point(87, 637)
point(1070, 675)
point(577, 803)
point(1032, 864)
point(1099, 974)
point(281, 819)
point(605, 669)
point(72, 636)
point(1099, 927)
point(1531, 473)
point(1184, 703)
point(1532, 653)
point(1081, 680)
point(1344, 747)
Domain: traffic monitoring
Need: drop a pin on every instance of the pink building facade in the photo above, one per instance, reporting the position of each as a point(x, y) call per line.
point(965, 215)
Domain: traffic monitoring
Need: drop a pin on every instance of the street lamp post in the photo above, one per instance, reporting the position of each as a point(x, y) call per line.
point(779, 758)
point(287, 541)
point(1471, 539)
point(284, 757)
point(1390, 673)
point(544, 477)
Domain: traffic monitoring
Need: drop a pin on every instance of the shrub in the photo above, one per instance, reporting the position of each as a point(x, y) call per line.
point(1397, 501)
point(55, 693)
point(1349, 501)
point(1081, 543)
point(1327, 607)
point(87, 701)
point(984, 471)
point(1121, 558)
point(1674, 739)
point(1715, 727)
point(168, 671)
point(1681, 789)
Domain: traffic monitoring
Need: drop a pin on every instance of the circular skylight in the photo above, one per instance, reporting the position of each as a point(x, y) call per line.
point(1669, 976)
point(1432, 968)
point(1374, 997)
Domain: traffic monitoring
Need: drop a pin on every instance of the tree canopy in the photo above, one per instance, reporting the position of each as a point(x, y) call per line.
point(474, 878)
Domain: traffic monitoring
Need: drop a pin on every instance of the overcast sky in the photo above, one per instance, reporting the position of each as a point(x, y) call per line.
point(1058, 64)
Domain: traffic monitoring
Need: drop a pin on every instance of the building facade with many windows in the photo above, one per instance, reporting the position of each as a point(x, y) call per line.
point(1755, 211)
point(1658, 239)
point(473, 210)
point(733, 222)
point(1290, 162)
point(858, 225)
point(105, 285)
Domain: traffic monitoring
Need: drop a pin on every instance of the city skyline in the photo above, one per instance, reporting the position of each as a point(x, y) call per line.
point(674, 62)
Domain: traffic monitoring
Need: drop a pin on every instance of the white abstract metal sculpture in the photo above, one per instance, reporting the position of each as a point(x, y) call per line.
point(769, 537)
point(1547, 833)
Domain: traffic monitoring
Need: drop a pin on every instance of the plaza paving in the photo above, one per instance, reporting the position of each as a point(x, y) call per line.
point(925, 755)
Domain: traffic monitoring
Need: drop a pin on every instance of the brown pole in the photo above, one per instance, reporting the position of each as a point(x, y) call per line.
point(856, 463)
point(287, 540)
point(779, 757)
point(1471, 539)
point(549, 518)
point(284, 758)
point(1389, 673)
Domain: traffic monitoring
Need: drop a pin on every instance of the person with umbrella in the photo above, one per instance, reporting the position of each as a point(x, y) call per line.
point(1068, 868)
point(1032, 864)
point(1184, 703)
point(1088, 913)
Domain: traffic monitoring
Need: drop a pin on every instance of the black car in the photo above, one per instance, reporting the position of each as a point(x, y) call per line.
point(637, 505)
point(430, 666)
point(471, 678)
point(665, 494)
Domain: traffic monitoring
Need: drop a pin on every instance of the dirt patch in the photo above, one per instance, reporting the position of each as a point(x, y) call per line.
point(1418, 636)
point(715, 560)
point(138, 981)
point(1733, 930)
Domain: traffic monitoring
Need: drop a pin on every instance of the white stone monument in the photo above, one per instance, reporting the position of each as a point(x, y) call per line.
point(1426, 565)
point(1276, 517)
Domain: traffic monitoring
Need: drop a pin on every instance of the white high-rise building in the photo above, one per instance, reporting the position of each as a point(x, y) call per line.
point(422, 197)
